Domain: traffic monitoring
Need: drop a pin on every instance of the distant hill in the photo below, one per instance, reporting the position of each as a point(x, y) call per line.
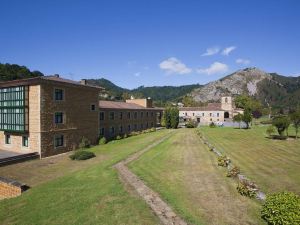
point(160, 94)
point(270, 88)
point(13, 72)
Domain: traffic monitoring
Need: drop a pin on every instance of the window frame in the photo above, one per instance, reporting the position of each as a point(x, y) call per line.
point(23, 141)
point(62, 137)
point(63, 94)
point(113, 115)
point(62, 118)
point(7, 139)
point(100, 115)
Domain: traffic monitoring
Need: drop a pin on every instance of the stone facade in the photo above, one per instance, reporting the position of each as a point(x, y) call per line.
point(118, 119)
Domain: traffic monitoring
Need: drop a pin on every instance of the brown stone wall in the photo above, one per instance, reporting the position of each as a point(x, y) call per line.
point(79, 120)
point(9, 191)
point(107, 123)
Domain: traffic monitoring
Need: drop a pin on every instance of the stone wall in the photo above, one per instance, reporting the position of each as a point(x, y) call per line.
point(79, 120)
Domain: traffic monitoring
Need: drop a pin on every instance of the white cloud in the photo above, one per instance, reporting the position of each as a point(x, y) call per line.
point(227, 50)
point(174, 65)
point(243, 61)
point(137, 74)
point(211, 51)
point(215, 68)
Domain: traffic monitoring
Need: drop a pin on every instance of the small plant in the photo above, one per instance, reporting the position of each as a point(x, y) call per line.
point(270, 130)
point(281, 208)
point(247, 188)
point(153, 129)
point(82, 155)
point(125, 136)
point(102, 141)
point(212, 125)
point(233, 172)
point(223, 161)
point(118, 137)
point(84, 143)
point(190, 124)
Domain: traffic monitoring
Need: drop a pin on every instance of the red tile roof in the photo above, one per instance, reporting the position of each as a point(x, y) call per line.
point(122, 105)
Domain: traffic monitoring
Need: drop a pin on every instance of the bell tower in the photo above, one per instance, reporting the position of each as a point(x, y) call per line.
point(226, 103)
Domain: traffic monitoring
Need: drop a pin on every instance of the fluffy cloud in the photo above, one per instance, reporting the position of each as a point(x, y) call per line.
point(137, 74)
point(243, 61)
point(174, 65)
point(215, 68)
point(227, 50)
point(211, 51)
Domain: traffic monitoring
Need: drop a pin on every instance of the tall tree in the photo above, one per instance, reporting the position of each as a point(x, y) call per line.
point(295, 118)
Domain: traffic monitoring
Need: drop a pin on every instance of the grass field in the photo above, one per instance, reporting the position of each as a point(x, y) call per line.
point(87, 192)
point(186, 175)
point(273, 164)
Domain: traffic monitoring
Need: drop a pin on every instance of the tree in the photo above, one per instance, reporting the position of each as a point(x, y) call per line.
point(238, 118)
point(170, 118)
point(282, 123)
point(295, 118)
point(247, 117)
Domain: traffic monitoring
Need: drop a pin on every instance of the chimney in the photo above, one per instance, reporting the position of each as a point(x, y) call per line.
point(83, 81)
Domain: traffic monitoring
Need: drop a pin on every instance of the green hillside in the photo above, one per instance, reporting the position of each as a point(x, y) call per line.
point(14, 72)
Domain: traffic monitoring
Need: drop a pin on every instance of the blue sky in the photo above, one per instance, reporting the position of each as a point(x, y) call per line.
point(141, 42)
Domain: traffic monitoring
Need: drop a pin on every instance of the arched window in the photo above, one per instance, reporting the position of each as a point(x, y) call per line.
point(226, 114)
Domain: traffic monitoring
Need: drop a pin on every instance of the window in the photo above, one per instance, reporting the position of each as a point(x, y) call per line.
point(121, 115)
point(147, 114)
point(59, 94)
point(25, 141)
point(112, 130)
point(101, 131)
point(59, 141)
point(193, 114)
point(135, 127)
point(59, 117)
point(93, 107)
point(7, 139)
point(111, 115)
point(142, 114)
point(210, 114)
point(218, 114)
point(128, 115)
point(135, 115)
point(151, 114)
point(101, 115)
point(186, 114)
point(121, 129)
point(202, 114)
point(129, 128)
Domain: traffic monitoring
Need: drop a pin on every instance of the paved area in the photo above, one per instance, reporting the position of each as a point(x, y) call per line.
point(5, 154)
point(160, 208)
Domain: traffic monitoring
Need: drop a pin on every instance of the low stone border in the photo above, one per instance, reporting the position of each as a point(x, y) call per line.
point(259, 194)
point(159, 207)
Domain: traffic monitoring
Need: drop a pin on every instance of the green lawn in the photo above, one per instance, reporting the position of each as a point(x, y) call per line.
point(273, 164)
point(186, 175)
point(91, 195)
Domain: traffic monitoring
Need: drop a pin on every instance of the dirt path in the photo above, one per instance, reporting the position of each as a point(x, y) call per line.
point(160, 208)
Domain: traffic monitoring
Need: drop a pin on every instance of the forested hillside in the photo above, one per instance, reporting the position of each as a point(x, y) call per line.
point(14, 71)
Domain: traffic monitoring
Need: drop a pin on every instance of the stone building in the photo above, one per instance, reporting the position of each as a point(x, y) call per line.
point(50, 115)
point(118, 118)
point(213, 112)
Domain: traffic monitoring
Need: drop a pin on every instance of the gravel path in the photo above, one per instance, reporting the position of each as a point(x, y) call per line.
point(160, 208)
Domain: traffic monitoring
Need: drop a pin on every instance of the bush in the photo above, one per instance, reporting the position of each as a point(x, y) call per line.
point(223, 161)
point(247, 188)
point(84, 143)
point(270, 130)
point(125, 136)
point(118, 137)
point(102, 141)
point(233, 172)
point(281, 208)
point(212, 125)
point(82, 155)
point(153, 129)
point(190, 124)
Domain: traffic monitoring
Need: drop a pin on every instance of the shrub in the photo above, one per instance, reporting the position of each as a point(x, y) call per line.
point(270, 130)
point(82, 155)
point(125, 136)
point(84, 143)
point(247, 188)
point(282, 123)
point(118, 137)
point(190, 124)
point(233, 172)
point(102, 141)
point(212, 125)
point(281, 208)
point(153, 129)
point(223, 161)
